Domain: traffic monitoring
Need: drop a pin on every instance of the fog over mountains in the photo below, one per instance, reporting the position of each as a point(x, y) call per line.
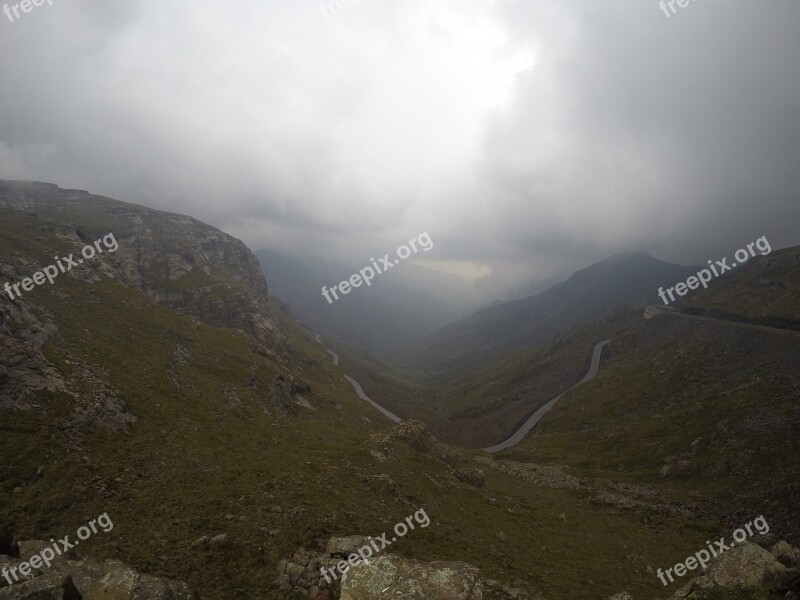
point(348, 300)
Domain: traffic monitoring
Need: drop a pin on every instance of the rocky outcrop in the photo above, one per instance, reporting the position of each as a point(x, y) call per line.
point(286, 391)
point(412, 580)
point(388, 576)
point(46, 587)
point(24, 330)
point(746, 565)
point(70, 577)
point(396, 577)
point(419, 438)
point(187, 265)
point(744, 571)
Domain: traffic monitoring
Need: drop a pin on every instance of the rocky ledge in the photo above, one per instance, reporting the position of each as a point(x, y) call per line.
point(71, 577)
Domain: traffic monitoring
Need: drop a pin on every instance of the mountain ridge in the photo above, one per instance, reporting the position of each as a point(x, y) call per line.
point(591, 292)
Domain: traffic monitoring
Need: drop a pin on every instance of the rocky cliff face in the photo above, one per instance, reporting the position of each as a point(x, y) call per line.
point(191, 267)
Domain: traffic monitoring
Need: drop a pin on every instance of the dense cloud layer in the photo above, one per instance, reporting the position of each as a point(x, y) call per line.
point(528, 138)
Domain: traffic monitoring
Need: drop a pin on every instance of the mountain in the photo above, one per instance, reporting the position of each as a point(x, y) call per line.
point(697, 404)
point(221, 440)
point(707, 405)
point(588, 294)
point(158, 383)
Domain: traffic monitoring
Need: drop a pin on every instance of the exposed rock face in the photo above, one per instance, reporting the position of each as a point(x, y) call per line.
point(23, 331)
point(176, 260)
point(189, 266)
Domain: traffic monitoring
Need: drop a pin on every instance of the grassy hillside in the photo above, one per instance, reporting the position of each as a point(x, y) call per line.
point(702, 408)
point(209, 453)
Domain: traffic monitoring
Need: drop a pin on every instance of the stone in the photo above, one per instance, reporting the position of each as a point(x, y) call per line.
point(47, 587)
point(220, 542)
point(395, 577)
point(786, 554)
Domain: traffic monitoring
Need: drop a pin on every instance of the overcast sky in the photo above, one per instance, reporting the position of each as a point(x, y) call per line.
point(526, 137)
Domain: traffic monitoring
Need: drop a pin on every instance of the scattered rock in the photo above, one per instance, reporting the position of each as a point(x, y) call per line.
point(475, 477)
point(202, 543)
point(232, 397)
point(787, 555)
point(220, 542)
point(181, 356)
point(46, 587)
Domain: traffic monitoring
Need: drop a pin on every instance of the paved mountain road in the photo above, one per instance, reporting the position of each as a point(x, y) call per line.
point(359, 390)
point(521, 432)
point(541, 412)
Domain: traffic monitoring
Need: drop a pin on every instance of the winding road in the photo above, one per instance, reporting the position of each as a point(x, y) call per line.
point(521, 432)
point(541, 412)
point(359, 390)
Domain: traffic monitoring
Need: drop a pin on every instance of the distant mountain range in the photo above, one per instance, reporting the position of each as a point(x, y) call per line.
point(589, 294)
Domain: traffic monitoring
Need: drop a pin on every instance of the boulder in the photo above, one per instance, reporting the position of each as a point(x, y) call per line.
point(126, 584)
point(395, 577)
point(47, 587)
point(220, 542)
point(787, 555)
point(8, 564)
point(744, 565)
